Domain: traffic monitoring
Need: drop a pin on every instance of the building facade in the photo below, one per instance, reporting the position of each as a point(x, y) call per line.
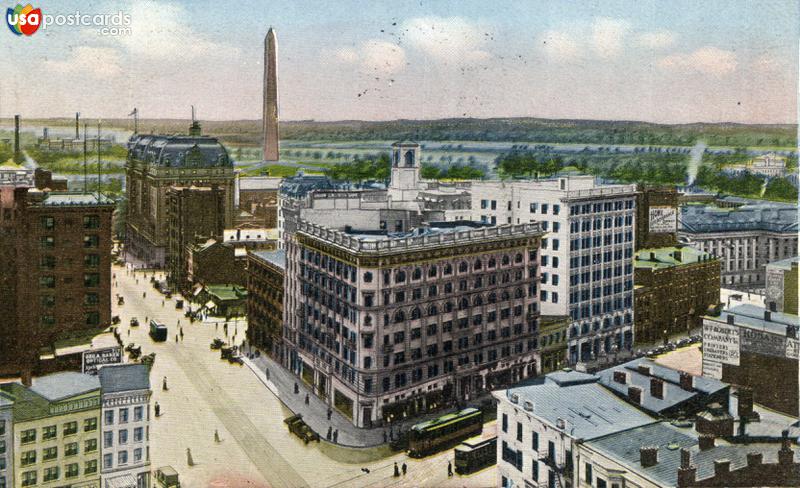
point(155, 164)
point(746, 238)
point(675, 286)
point(56, 273)
point(265, 276)
point(6, 441)
point(56, 431)
point(782, 293)
point(386, 325)
point(125, 425)
point(587, 252)
point(258, 195)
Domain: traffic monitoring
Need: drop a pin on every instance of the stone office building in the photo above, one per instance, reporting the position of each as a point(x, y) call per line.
point(157, 163)
point(265, 276)
point(587, 252)
point(388, 325)
point(6, 441)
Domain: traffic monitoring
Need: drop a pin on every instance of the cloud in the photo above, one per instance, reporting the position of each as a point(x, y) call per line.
point(382, 57)
point(94, 61)
point(656, 39)
point(558, 46)
point(448, 38)
point(769, 62)
point(707, 60)
point(159, 31)
point(346, 55)
point(607, 36)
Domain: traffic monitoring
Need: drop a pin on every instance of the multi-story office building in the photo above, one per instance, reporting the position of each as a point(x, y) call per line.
point(745, 238)
point(258, 196)
point(125, 425)
point(56, 431)
point(675, 286)
point(384, 325)
point(6, 441)
point(782, 278)
point(587, 252)
point(265, 276)
point(157, 163)
point(56, 271)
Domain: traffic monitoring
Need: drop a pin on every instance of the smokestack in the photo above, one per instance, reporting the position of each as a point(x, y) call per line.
point(77, 125)
point(16, 138)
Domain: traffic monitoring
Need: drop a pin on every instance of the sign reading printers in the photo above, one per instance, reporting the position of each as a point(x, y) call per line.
point(721, 345)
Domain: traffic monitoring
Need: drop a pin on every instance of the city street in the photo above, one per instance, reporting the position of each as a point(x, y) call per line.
point(206, 394)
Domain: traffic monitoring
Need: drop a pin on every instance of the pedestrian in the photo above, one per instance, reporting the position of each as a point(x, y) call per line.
point(267, 371)
point(336, 436)
point(216, 436)
point(306, 398)
point(181, 331)
point(162, 303)
point(396, 470)
point(176, 338)
point(158, 410)
point(189, 459)
point(330, 412)
point(216, 325)
point(164, 384)
point(296, 388)
point(144, 294)
point(129, 332)
point(384, 437)
point(405, 468)
point(449, 469)
point(330, 432)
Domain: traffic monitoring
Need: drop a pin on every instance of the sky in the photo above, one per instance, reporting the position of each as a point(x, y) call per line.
point(669, 62)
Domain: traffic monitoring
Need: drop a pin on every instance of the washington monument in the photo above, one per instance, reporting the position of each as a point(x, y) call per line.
point(271, 152)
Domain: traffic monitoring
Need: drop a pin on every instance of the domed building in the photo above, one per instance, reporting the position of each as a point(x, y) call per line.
point(157, 163)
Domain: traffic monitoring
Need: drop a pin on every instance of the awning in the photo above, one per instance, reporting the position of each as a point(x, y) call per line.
point(123, 481)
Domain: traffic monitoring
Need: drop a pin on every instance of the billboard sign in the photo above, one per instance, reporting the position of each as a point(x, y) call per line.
point(663, 220)
point(721, 343)
point(93, 359)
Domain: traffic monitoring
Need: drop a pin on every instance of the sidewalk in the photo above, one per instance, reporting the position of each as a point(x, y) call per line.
point(281, 384)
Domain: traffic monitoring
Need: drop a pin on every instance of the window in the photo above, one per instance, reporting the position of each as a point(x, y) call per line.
point(109, 414)
point(92, 318)
point(90, 445)
point(138, 432)
point(123, 415)
point(91, 241)
point(91, 260)
point(519, 431)
point(535, 441)
point(137, 454)
point(70, 428)
point(72, 470)
point(108, 439)
point(138, 414)
point(29, 478)
point(47, 242)
point(49, 432)
point(71, 449)
point(28, 436)
point(90, 467)
point(51, 474)
point(123, 436)
point(48, 223)
point(91, 280)
point(90, 424)
point(505, 422)
point(91, 222)
point(601, 483)
point(587, 476)
point(108, 461)
point(28, 457)
point(47, 282)
point(122, 457)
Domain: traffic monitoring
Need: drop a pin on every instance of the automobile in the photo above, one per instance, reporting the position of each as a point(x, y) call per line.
point(167, 477)
point(134, 322)
point(226, 352)
point(120, 300)
point(115, 319)
point(148, 359)
point(236, 359)
point(178, 304)
point(217, 343)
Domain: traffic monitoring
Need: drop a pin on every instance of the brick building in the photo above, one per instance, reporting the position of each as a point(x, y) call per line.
point(258, 195)
point(155, 164)
point(656, 216)
point(782, 277)
point(265, 275)
point(194, 214)
point(56, 272)
point(675, 286)
point(386, 325)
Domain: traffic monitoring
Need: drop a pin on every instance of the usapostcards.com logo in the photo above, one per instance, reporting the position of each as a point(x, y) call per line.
point(27, 20)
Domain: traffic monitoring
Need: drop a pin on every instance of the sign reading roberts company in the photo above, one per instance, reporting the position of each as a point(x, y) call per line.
point(92, 360)
point(663, 219)
point(721, 343)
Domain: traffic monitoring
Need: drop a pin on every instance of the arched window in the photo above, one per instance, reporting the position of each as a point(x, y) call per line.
point(432, 272)
point(417, 274)
point(448, 307)
point(368, 320)
point(399, 316)
point(400, 277)
point(505, 296)
point(518, 258)
point(478, 264)
point(433, 311)
point(463, 267)
point(416, 313)
point(492, 262)
point(448, 269)
point(506, 260)
point(409, 159)
point(477, 301)
point(492, 297)
point(463, 303)
point(367, 277)
point(519, 293)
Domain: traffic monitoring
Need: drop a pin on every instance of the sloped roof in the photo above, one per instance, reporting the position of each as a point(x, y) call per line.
point(58, 386)
point(124, 377)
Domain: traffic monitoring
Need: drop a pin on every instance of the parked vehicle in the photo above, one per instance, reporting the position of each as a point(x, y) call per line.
point(434, 435)
point(134, 322)
point(474, 454)
point(120, 300)
point(167, 477)
point(299, 428)
point(158, 331)
point(115, 319)
point(178, 304)
point(148, 359)
point(217, 343)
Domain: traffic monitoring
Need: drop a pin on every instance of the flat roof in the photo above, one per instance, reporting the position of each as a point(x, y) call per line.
point(278, 258)
point(752, 316)
point(67, 199)
point(58, 386)
point(667, 257)
point(124, 377)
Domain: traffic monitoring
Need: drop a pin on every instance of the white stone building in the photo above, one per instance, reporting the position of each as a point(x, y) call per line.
point(587, 252)
point(125, 425)
point(6, 442)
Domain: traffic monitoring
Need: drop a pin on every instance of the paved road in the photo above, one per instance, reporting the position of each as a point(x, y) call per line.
point(207, 394)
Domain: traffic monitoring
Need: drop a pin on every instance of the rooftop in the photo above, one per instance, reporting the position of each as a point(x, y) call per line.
point(277, 258)
point(67, 199)
point(58, 386)
point(753, 317)
point(5, 401)
point(785, 264)
point(624, 447)
point(588, 410)
point(427, 237)
point(767, 216)
point(668, 257)
point(178, 151)
point(226, 292)
point(124, 377)
point(260, 183)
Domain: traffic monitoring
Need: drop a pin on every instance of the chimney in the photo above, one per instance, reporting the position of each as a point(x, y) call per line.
point(27, 378)
point(773, 307)
point(744, 406)
point(767, 316)
point(687, 472)
point(754, 459)
point(16, 137)
point(657, 388)
point(786, 454)
point(686, 381)
point(730, 319)
point(648, 456)
point(706, 442)
point(643, 369)
point(722, 468)
point(677, 255)
point(620, 377)
point(635, 394)
point(652, 256)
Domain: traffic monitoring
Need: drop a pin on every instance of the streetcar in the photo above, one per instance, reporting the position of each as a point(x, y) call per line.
point(434, 435)
point(474, 454)
point(158, 332)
